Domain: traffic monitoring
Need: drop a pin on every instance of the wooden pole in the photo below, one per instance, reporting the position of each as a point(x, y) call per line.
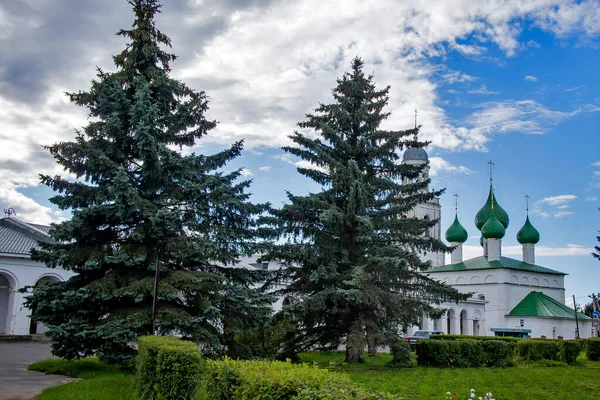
point(576, 319)
point(155, 299)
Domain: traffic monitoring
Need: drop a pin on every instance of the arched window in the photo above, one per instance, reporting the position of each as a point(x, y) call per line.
point(428, 230)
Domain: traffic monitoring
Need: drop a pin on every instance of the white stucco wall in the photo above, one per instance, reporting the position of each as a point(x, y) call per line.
point(503, 289)
point(552, 328)
point(21, 272)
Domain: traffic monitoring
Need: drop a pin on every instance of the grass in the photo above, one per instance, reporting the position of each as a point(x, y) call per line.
point(523, 382)
point(324, 358)
point(102, 382)
point(99, 381)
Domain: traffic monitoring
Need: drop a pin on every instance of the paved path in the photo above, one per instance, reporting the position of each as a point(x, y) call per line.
point(16, 383)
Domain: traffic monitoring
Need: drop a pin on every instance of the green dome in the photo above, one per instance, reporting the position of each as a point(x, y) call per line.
point(456, 233)
point(528, 234)
point(493, 228)
point(484, 214)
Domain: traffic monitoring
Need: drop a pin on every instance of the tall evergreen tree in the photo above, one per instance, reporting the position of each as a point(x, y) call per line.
point(138, 202)
point(351, 253)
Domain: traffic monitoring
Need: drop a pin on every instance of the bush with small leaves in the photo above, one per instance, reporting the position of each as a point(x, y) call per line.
point(402, 355)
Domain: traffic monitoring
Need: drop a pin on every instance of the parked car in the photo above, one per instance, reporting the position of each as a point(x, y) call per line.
point(420, 335)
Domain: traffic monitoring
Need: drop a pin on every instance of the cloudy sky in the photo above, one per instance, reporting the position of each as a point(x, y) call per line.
point(504, 80)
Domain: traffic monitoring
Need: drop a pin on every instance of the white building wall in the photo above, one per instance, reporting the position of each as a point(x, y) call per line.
point(553, 328)
point(22, 272)
point(502, 290)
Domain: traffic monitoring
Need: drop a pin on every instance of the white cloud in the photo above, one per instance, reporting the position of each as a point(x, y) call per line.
point(482, 90)
point(596, 164)
point(557, 200)
point(554, 206)
point(541, 251)
point(592, 198)
point(264, 67)
point(457, 77)
point(246, 172)
point(438, 165)
point(531, 78)
point(265, 168)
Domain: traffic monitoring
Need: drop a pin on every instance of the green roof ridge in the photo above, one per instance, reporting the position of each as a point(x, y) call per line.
point(538, 304)
point(528, 234)
point(487, 210)
point(482, 263)
point(456, 233)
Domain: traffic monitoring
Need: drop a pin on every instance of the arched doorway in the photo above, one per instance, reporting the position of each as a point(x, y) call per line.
point(36, 328)
point(4, 303)
point(463, 322)
point(450, 321)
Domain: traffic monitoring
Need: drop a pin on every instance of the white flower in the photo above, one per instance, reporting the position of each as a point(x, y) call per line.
point(472, 390)
point(472, 395)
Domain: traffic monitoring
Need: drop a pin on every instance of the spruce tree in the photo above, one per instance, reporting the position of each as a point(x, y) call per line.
point(350, 252)
point(138, 202)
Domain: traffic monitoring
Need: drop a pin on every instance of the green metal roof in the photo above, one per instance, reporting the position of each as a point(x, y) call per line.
point(528, 234)
point(456, 233)
point(537, 304)
point(482, 262)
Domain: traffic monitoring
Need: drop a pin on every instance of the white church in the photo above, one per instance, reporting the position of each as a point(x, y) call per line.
point(511, 297)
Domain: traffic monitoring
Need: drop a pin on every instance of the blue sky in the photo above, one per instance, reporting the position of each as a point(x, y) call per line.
point(510, 81)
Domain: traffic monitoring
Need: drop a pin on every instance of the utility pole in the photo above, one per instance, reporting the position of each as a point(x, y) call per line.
point(595, 308)
point(155, 299)
point(576, 319)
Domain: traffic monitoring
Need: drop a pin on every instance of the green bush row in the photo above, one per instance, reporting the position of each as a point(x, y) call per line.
point(467, 337)
point(592, 349)
point(167, 368)
point(274, 380)
point(465, 353)
point(535, 350)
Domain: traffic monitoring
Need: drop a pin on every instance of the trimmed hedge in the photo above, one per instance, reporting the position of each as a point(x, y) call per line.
point(569, 351)
point(467, 337)
point(465, 353)
point(276, 380)
point(592, 349)
point(539, 349)
point(167, 368)
point(401, 354)
point(499, 353)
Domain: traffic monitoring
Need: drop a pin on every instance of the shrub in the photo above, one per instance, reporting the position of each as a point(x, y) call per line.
point(539, 349)
point(266, 342)
point(167, 368)
point(466, 353)
point(470, 353)
point(592, 349)
point(499, 353)
point(275, 380)
point(569, 351)
point(467, 337)
point(442, 353)
point(401, 354)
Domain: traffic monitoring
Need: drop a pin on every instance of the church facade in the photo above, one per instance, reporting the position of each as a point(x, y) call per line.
point(18, 271)
point(510, 297)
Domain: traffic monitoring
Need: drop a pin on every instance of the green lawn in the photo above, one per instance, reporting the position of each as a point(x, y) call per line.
point(581, 382)
point(99, 381)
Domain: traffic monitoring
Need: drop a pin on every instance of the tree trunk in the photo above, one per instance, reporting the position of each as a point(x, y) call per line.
point(372, 339)
point(355, 344)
